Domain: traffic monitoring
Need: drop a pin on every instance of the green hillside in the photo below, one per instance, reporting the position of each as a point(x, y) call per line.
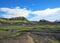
point(13, 20)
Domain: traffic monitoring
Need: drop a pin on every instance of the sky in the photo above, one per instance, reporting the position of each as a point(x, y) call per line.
point(33, 10)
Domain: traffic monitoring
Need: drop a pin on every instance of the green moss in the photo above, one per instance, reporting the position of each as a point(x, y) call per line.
point(54, 41)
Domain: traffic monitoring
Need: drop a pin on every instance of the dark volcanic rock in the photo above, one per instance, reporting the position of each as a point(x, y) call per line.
point(34, 36)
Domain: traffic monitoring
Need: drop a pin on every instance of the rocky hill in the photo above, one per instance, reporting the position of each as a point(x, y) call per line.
point(13, 21)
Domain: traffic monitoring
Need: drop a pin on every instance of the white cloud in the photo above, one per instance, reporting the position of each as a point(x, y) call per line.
point(15, 12)
point(40, 14)
point(46, 11)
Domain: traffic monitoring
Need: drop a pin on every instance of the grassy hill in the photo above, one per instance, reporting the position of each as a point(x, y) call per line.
point(15, 20)
point(24, 24)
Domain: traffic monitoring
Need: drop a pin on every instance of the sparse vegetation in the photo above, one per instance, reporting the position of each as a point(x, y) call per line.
point(12, 27)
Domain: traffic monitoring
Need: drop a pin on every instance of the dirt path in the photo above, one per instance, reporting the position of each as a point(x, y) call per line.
point(30, 39)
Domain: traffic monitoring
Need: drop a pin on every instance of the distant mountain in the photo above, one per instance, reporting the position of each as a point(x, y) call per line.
point(46, 22)
point(57, 21)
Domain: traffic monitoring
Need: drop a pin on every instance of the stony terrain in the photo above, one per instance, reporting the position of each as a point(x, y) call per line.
point(31, 36)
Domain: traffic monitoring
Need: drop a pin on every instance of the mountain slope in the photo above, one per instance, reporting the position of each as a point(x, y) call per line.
point(15, 20)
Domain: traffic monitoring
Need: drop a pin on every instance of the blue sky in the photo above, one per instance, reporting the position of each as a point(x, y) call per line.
point(31, 9)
